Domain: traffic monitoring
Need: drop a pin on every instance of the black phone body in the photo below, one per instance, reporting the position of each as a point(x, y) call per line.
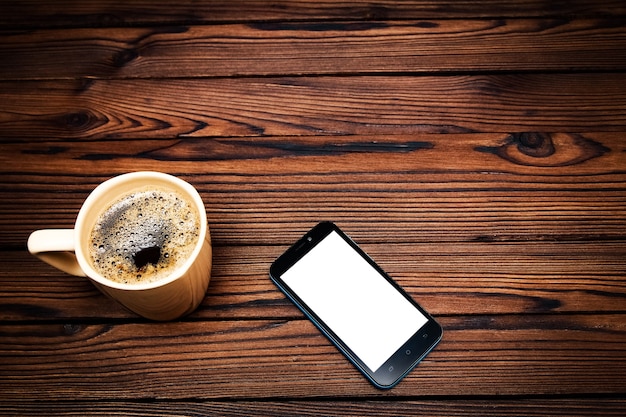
point(370, 319)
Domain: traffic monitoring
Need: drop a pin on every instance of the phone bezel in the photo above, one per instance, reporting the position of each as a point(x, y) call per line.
point(405, 358)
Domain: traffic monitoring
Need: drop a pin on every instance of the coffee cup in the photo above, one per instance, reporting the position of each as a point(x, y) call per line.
point(142, 238)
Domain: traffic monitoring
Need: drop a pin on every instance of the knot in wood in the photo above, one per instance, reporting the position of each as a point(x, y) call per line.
point(78, 120)
point(536, 144)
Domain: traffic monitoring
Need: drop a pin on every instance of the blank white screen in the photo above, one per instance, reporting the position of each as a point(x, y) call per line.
point(357, 303)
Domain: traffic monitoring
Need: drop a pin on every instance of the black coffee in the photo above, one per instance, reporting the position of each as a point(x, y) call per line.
point(144, 236)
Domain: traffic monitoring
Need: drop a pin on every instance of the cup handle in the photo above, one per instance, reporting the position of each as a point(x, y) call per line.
point(56, 247)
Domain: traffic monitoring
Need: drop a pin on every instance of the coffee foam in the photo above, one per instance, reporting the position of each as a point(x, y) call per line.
point(143, 221)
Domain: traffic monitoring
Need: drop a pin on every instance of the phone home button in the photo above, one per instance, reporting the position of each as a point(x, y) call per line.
point(391, 369)
point(408, 352)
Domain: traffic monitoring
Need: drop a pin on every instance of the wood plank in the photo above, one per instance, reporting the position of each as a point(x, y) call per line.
point(93, 109)
point(578, 407)
point(472, 278)
point(483, 355)
point(89, 13)
point(531, 160)
point(300, 48)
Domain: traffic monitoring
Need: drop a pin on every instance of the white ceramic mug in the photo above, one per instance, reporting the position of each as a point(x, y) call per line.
point(168, 298)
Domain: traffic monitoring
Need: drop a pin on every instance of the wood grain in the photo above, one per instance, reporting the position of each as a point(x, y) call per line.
point(508, 355)
point(40, 13)
point(305, 49)
point(95, 109)
point(438, 408)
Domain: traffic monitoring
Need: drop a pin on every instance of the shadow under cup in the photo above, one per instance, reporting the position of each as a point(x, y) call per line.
point(172, 296)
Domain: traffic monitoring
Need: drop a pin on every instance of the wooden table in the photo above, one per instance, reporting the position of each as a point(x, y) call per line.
point(477, 150)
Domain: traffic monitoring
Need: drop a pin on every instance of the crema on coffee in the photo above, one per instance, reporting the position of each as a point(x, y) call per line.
point(144, 236)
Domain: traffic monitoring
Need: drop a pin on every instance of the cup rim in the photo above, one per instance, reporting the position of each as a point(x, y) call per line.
point(94, 202)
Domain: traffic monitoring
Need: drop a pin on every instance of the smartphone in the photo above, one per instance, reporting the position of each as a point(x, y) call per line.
point(370, 319)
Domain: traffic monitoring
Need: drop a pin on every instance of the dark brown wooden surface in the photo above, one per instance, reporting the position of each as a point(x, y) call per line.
point(477, 150)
